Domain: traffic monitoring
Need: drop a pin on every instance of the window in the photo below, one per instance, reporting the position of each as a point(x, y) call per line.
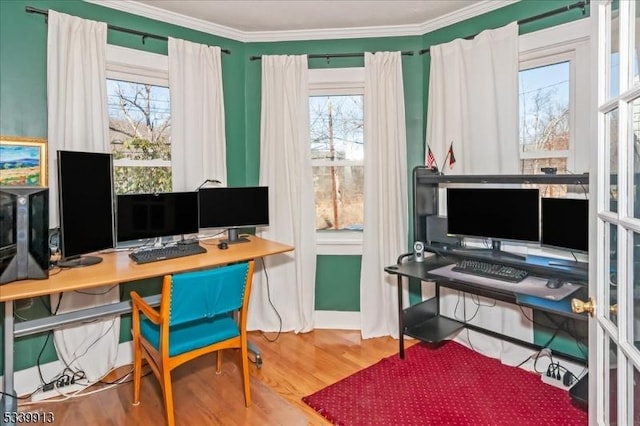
point(336, 116)
point(544, 107)
point(554, 101)
point(139, 121)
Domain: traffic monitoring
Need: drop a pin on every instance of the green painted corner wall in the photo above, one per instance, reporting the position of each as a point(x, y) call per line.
point(23, 109)
point(334, 283)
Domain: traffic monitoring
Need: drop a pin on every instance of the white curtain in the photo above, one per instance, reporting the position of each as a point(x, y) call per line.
point(385, 192)
point(473, 103)
point(473, 111)
point(76, 92)
point(78, 120)
point(198, 143)
point(285, 167)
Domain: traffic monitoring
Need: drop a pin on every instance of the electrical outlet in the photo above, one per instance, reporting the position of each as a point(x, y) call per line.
point(57, 391)
point(557, 382)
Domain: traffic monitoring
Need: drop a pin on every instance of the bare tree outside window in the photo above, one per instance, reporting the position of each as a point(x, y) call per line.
point(337, 138)
point(544, 105)
point(140, 135)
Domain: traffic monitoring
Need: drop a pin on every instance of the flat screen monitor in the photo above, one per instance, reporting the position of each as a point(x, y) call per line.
point(85, 189)
point(233, 208)
point(510, 214)
point(146, 216)
point(565, 224)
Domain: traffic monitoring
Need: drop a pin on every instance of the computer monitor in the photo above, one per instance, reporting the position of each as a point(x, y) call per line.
point(565, 224)
point(510, 214)
point(146, 216)
point(233, 208)
point(24, 234)
point(85, 189)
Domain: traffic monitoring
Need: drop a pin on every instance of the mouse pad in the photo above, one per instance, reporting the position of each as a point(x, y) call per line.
point(532, 286)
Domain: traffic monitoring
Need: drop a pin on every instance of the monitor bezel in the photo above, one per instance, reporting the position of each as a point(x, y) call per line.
point(565, 247)
point(530, 239)
point(69, 255)
point(232, 224)
point(188, 230)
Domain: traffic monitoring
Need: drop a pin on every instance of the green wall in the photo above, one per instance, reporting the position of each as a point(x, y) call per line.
point(23, 108)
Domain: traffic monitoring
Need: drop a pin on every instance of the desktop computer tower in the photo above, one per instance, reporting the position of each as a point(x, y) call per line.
point(24, 233)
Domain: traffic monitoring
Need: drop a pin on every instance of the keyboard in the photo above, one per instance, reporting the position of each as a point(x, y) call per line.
point(490, 270)
point(168, 252)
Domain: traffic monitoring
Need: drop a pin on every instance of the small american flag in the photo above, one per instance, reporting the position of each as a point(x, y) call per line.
point(431, 159)
point(452, 158)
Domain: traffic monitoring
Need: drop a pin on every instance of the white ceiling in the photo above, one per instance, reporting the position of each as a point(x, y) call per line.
point(270, 20)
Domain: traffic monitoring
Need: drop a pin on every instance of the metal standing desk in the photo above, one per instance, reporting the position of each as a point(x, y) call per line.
point(423, 321)
point(115, 268)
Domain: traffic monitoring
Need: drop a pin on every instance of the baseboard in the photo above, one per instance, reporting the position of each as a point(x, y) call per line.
point(337, 320)
point(27, 380)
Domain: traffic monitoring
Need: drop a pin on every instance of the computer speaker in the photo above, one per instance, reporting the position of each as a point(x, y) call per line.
point(418, 251)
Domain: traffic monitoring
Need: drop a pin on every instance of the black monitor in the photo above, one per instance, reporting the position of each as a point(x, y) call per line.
point(233, 208)
point(510, 214)
point(24, 234)
point(85, 189)
point(565, 224)
point(145, 216)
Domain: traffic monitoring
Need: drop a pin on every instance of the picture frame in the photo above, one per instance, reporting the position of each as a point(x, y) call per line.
point(23, 161)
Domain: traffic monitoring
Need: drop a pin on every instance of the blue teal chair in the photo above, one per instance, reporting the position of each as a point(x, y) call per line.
point(195, 318)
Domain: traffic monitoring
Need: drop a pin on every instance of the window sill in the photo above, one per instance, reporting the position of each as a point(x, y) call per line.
point(339, 242)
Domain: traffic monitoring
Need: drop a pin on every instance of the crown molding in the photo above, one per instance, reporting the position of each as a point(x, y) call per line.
point(162, 15)
point(152, 12)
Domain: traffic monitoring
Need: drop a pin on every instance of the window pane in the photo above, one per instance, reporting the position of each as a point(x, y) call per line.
point(544, 108)
point(339, 197)
point(635, 153)
point(337, 134)
point(337, 127)
point(611, 123)
point(135, 180)
point(140, 129)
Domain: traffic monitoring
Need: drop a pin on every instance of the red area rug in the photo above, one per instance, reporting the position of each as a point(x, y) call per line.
point(444, 385)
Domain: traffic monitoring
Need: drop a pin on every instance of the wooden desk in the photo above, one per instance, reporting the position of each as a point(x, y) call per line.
point(115, 268)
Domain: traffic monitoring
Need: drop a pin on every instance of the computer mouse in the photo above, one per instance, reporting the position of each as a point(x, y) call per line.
point(223, 246)
point(554, 283)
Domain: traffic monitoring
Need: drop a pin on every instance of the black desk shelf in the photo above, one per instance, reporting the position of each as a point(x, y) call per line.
point(434, 330)
point(424, 322)
point(426, 183)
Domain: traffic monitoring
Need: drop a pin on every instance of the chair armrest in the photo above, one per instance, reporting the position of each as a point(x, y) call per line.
point(148, 311)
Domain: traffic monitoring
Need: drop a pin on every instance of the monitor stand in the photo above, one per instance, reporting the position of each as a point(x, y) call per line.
point(233, 237)
point(79, 262)
point(494, 252)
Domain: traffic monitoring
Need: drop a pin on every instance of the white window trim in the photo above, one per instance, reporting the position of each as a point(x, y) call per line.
point(151, 68)
point(337, 81)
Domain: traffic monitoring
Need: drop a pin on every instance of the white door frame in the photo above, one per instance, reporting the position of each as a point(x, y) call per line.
point(611, 335)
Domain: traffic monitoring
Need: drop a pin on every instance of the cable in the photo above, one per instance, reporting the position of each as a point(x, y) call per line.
point(49, 333)
point(100, 293)
point(264, 268)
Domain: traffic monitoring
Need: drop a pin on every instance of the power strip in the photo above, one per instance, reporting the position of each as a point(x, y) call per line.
point(57, 392)
point(554, 382)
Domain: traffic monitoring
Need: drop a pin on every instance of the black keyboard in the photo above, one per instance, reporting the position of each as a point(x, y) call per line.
point(491, 270)
point(168, 252)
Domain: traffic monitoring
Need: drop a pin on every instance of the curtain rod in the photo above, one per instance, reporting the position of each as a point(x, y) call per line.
point(328, 56)
point(580, 4)
point(142, 34)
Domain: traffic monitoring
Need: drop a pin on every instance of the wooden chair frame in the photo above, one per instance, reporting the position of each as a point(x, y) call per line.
point(159, 360)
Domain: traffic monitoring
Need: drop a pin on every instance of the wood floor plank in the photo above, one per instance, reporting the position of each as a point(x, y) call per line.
point(295, 365)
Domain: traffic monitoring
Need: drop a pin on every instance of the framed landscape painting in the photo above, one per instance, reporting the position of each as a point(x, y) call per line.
point(23, 161)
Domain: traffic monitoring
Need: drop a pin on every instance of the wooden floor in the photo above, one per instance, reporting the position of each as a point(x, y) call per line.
point(295, 365)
